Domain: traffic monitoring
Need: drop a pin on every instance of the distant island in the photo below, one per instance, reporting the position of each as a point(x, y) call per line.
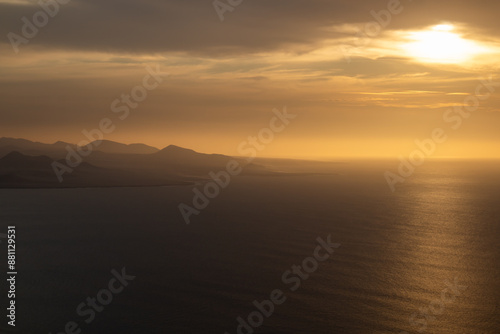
point(28, 164)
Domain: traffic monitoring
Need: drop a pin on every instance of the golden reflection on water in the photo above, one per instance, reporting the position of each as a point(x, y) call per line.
point(439, 252)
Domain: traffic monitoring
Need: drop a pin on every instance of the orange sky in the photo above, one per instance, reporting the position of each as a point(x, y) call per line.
point(354, 96)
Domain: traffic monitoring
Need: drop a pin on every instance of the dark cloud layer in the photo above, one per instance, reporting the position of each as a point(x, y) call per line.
point(140, 26)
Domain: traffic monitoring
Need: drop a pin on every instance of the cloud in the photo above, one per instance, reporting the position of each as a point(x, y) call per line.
point(146, 26)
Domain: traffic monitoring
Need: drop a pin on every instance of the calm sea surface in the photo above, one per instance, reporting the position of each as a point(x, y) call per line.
point(425, 259)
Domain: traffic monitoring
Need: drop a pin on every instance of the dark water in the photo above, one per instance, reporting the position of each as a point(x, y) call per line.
point(399, 252)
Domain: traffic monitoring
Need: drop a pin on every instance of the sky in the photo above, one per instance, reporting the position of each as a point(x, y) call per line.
point(364, 78)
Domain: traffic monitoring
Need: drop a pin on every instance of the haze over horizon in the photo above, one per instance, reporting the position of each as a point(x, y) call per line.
point(369, 96)
point(263, 156)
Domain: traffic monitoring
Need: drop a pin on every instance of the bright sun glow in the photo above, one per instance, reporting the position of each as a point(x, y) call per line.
point(441, 45)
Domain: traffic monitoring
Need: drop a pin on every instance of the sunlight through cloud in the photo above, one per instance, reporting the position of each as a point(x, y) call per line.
point(440, 44)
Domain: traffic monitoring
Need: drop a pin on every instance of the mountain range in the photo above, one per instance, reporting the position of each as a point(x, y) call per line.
point(8, 145)
point(28, 164)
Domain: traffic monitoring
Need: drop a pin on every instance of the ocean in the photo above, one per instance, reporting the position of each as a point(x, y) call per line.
point(424, 259)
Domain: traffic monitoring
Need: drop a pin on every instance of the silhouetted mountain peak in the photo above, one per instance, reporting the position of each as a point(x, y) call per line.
point(13, 155)
point(13, 141)
point(30, 147)
point(108, 146)
point(61, 143)
point(177, 149)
